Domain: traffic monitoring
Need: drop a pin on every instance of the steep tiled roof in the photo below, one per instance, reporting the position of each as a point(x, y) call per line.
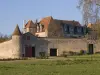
point(30, 24)
point(75, 23)
point(46, 21)
point(17, 31)
point(54, 25)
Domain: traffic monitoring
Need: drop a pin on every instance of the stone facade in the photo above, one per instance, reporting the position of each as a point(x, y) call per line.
point(16, 47)
point(53, 39)
point(63, 44)
point(30, 40)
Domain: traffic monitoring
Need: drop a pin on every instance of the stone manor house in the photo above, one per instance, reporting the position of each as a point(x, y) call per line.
point(49, 35)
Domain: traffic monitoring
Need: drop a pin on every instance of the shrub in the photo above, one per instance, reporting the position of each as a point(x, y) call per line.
point(64, 54)
point(71, 53)
point(43, 55)
point(82, 52)
point(97, 52)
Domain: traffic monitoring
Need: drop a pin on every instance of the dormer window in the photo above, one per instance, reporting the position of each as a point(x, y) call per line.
point(82, 30)
point(65, 28)
point(75, 30)
point(38, 28)
point(42, 27)
point(79, 30)
point(68, 29)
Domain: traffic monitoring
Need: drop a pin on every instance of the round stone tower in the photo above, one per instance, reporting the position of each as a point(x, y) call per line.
point(17, 42)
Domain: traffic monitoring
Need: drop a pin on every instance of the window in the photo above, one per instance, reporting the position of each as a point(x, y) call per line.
point(24, 37)
point(28, 37)
point(68, 29)
point(82, 30)
point(75, 30)
point(42, 27)
point(78, 30)
point(65, 28)
point(71, 29)
point(31, 30)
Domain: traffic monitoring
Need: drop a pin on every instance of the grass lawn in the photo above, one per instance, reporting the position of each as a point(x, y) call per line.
point(74, 65)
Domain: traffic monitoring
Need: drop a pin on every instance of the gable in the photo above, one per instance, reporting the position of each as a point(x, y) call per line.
point(30, 36)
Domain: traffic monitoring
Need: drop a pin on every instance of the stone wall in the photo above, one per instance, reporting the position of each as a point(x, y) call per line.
point(97, 46)
point(71, 44)
point(12, 48)
point(63, 44)
point(8, 50)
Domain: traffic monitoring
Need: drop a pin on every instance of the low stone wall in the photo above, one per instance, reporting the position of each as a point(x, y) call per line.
point(8, 50)
point(66, 44)
point(97, 46)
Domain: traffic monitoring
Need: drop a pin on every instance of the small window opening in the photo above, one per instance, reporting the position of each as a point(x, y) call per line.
point(28, 37)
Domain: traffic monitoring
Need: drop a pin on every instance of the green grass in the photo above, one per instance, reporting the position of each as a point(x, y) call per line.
point(73, 65)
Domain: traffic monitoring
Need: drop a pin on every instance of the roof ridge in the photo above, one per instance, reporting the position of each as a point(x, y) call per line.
point(66, 20)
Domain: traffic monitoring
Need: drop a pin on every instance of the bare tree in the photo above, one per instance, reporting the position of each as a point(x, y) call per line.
point(90, 10)
point(4, 37)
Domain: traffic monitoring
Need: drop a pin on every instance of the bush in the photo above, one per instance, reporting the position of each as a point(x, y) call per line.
point(4, 38)
point(64, 54)
point(71, 53)
point(97, 52)
point(82, 52)
point(43, 55)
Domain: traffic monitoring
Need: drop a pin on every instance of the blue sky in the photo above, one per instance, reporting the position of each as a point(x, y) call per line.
point(13, 12)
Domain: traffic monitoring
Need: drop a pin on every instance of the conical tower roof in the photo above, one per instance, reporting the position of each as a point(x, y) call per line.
point(17, 31)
